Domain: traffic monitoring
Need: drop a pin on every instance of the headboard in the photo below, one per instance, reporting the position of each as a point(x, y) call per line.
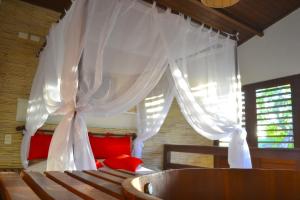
point(132, 135)
point(42, 155)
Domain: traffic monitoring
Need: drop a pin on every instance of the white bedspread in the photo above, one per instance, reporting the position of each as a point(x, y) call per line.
point(41, 167)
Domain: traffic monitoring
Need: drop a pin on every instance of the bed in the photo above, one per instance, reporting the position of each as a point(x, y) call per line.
point(40, 167)
point(111, 144)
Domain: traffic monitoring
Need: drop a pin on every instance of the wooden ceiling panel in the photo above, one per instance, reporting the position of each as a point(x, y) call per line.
point(57, 5)
point(262, 13)
point(248, 17)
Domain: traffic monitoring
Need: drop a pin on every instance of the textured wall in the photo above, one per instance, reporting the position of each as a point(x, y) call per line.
point(17, 68)
point(175, 130)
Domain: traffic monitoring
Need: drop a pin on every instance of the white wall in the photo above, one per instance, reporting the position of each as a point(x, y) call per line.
point(276, 54)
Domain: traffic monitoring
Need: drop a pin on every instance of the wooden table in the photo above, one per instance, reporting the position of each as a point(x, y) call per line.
point(103, 184)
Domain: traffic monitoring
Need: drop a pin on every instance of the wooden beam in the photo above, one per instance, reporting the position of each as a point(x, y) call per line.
point(224, 16)
point(195, 10)
point(56, 5)
point(192, 8)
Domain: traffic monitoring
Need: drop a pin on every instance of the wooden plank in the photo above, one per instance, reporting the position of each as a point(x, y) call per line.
point(116, 173)
point(126, 172)
point(81, 189)
point(101, 184)
point(45, 188)
point(13, 187)
point(105, 176)
point(180, 166)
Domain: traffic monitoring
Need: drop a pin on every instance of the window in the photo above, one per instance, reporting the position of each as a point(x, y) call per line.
point(274, 117)
point(271, 113)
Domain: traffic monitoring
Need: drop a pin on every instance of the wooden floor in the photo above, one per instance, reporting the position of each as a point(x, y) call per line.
point(103, 184)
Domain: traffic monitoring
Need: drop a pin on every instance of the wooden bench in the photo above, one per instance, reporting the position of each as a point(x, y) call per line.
point(104, 185)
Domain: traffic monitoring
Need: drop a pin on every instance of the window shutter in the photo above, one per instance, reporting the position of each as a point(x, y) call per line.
point(274, 117)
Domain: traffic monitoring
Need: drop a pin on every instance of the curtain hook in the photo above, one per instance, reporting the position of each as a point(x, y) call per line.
point(154, 4)
point(237, 36)
point(228, 35)
point(202, 26)
point(189, 19)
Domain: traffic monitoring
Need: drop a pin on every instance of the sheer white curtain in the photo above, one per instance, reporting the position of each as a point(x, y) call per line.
point(204, 74)
point(203, 69)
point(152, 112)
point(106, 56)
point(54, 84)
point(122, 60)
point(129, 62)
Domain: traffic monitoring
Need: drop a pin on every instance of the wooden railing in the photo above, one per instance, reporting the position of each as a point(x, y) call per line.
point(261, 158)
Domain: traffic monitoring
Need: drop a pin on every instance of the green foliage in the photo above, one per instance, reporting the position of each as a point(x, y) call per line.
point(274, 117)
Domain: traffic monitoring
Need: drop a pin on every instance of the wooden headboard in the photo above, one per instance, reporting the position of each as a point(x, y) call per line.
point(266, 158)
point(132, 135)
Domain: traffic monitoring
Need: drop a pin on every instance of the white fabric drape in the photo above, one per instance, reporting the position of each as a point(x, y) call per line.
point(152, 111)
point(117, 71)
point(106, 56)
point(54, 84)
point(204, 74)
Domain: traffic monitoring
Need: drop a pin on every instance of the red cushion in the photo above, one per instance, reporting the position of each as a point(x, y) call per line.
point(123, 162)
point(105, 147)
point(39, 146)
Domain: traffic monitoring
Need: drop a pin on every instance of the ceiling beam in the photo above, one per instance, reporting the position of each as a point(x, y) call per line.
point(56, 5)
point(195, 10)
point(229, 19)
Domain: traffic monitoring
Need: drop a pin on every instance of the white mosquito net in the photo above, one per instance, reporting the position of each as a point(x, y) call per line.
point(106, 56)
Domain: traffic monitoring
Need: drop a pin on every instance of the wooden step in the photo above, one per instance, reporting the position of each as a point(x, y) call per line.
point(13, 187)
point(115, 173)
point(106, 176)
point(101, 184)
point(81, 189)
point(46, 188)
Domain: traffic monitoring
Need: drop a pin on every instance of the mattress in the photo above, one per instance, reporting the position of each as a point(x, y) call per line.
point(41, 167)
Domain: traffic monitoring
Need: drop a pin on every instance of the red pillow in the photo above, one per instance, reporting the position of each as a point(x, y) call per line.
point(98, 145)
point(123, 162)
point(105, 147)
point(98, 164)
point(39, 146)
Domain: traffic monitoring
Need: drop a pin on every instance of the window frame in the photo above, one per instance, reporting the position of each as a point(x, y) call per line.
point(250, 106)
